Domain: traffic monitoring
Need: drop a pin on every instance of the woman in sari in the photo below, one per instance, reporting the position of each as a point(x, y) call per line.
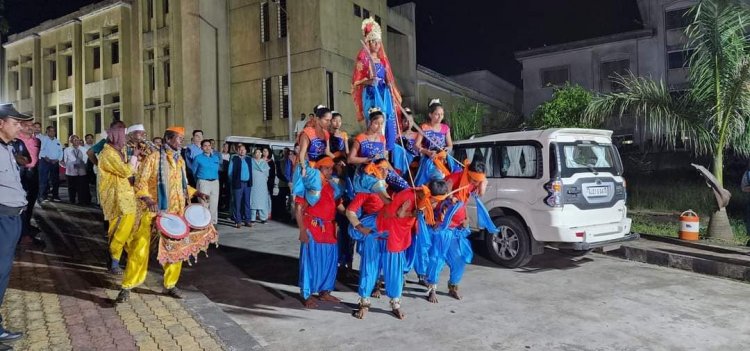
point(373, 84)
point(260, 199)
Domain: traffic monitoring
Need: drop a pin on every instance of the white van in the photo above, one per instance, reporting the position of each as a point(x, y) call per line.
point(561, 188)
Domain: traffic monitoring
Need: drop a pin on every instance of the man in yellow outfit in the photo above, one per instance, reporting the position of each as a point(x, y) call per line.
point(161, 186)
point(116, 194)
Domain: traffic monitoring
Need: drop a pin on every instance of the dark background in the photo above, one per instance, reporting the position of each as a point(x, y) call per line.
point(453, 36)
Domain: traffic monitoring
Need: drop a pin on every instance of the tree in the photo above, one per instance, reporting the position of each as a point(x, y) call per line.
point(466, 118)
point(565, 109)
point(715, 112)
point(3, 20)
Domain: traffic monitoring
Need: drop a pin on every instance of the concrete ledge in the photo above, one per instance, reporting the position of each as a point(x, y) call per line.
point(215, 320)
point(721, 261)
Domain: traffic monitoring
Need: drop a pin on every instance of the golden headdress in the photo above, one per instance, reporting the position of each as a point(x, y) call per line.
point(371, 30)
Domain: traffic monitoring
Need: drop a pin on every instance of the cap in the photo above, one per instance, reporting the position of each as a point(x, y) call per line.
point(177, 129)
point(135, 128)
point(8, 111)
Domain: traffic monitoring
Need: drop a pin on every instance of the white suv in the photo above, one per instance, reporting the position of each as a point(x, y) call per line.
point(556, 187)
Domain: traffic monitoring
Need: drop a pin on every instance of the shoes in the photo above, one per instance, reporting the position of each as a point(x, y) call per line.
point(263, 222)
point(173, 292)
point(123, 296)
point(56, 199)
point(237, 225)
point(249, 224)
point(10, 336)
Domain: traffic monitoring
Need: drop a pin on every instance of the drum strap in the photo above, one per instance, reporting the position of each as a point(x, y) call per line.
point(163, 181)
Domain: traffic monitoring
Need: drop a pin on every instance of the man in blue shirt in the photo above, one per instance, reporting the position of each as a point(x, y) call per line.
point(50, 154)
point(191, 151)
point(206, 171)
point(240, 176)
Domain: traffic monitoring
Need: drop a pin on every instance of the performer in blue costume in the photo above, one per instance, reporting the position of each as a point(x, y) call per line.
point(318, 245)
point(373, 83)
point(374, 172)
point(383, 239)
point(313, 143)
point(436, 144)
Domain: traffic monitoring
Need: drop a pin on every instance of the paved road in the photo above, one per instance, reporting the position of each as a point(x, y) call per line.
point(556, 303)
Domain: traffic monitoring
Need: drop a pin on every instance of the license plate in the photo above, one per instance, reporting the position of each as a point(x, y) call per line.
point(597, 191)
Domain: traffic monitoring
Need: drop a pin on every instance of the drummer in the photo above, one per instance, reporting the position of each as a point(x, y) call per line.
point(161, 172)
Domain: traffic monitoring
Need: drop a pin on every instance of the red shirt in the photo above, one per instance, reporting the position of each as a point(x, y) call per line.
point(370, 203)
point(459, 217)
point(319, 219)
point(399, 229)
point(33, 145)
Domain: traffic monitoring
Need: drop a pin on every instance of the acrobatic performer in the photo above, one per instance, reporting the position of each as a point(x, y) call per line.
point(384, 237)
point(318, 242)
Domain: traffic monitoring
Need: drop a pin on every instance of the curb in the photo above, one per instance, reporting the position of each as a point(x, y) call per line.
point(692, 263)
point(217, 322)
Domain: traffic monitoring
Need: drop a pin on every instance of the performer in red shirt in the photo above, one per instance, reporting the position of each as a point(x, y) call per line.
point(319, 249)
point(384, 234)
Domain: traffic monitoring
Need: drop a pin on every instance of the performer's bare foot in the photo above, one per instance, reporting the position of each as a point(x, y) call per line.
point(432, 296)
point(398, 313)
point(376, 292)
point(453, 292)
point(362, 311)
point(326, 296)
point(310, 303)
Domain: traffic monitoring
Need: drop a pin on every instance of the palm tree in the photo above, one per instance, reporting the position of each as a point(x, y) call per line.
point(714, 114)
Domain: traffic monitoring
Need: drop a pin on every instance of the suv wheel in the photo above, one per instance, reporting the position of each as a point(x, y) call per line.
point(511, 247)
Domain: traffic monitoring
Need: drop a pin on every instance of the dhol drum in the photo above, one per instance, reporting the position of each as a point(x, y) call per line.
point(197, 216)
point(172, 226)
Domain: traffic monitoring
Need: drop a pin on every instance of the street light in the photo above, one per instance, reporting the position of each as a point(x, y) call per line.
point(288, 72)
point(216, 57)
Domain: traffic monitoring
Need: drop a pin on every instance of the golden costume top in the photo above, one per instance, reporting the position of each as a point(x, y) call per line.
point(115, 192)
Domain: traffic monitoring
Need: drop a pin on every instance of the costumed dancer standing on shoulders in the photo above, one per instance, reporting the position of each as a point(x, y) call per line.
point(318, 243)
point(435, 143)
point(339, 142)
point(373, 83)
point(162, 187)
point(374, 172)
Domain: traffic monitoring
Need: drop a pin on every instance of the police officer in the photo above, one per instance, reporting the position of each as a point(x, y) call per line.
point(12, 203)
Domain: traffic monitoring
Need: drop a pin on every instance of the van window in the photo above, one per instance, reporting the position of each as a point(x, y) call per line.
point(588, 157)
point(519, 161)
point(477, 153)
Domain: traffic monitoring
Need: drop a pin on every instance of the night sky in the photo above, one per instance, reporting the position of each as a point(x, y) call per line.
point(451, 38)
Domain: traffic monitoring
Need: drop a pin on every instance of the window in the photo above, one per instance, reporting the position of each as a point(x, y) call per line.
point(357, 10)
point(166, 6)
point(150, 9)
point(167, 80)
point(69, 65)
point(53, 70)
point(70, 127)
point(97, 58)
point(377, 19)
point(677, 19)
point(115, 52)
point(116, 99)
point(30, 77)
point(151, 78)
point(519, 161)
point(264, 23)
point(478, 153)
point(116, 114)
point(283, 96)
point(554, 76)
point(281, 15)
point(679, 59)
point(267, 100)
point(97, 122)
point(329, 85)
point(610, 70)
point(365, 13)
point(587, 156)
point(97, 102)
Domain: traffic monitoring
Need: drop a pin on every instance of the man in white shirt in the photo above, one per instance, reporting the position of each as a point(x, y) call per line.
point(301, 123)
point(50, 155)
point(75, 171)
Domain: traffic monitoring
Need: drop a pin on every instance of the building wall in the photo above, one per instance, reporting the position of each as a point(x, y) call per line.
point(648, 56)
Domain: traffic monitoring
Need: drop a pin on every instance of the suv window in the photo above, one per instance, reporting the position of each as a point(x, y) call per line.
point(588, 156)
point(519, 161)
point(478, 153)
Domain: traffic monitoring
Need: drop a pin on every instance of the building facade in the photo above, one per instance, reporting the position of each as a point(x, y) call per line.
point(658, 51)
point(156, 62)
point(216, 65)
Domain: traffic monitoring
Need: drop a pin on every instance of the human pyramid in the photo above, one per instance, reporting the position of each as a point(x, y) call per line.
point(397, 194)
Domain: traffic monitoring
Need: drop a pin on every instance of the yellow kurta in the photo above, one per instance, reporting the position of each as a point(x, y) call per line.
point(115, 192)
point(146, 185)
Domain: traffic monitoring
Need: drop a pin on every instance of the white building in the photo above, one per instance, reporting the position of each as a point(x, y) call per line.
point(657, 51)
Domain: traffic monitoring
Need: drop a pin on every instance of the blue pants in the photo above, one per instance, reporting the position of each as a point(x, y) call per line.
point(241, 209)
point(421, 244)
point(49, 175)
point(345, 242)
point(10, 228)
point(451, 247)
point(317, 267)
point(393, 264)
point(258, 214)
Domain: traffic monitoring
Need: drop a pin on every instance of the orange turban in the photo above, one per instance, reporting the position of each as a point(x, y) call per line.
point(324, 162)
point(176, 129)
